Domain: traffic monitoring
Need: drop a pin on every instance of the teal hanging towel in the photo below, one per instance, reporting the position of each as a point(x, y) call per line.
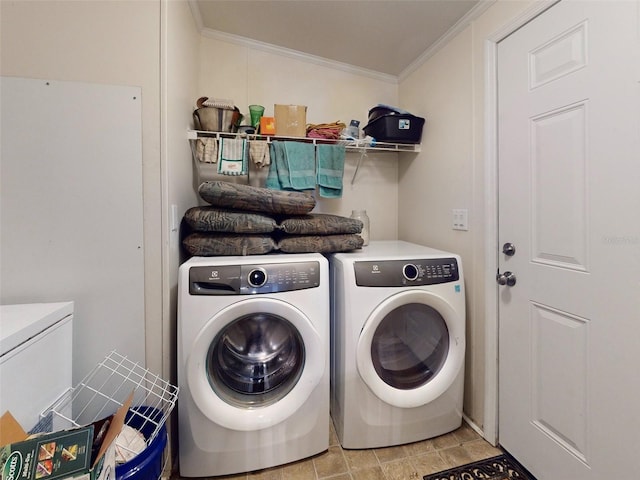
point(300, 159)
point(330, 159)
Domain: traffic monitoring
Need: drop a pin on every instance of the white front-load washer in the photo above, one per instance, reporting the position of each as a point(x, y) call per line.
point(397, 344)
point(253, 362)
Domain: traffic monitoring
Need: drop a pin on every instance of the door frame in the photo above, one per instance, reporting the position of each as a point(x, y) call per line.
point(491, 386)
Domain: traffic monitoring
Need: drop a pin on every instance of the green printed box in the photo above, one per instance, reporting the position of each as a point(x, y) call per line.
point(65, 454)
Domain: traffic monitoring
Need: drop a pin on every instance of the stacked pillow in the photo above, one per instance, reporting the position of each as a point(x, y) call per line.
point(246, 220)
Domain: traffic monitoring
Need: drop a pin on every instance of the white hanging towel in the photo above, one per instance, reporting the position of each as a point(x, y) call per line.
point(259, 153)
point(232, 156)
point(207, 150)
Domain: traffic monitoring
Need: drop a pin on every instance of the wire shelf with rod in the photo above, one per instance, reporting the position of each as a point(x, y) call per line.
point(107, 387)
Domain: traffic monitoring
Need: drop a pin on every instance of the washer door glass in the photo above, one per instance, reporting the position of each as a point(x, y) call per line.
point(255, 363)
point(255, 360)
point(410, 346)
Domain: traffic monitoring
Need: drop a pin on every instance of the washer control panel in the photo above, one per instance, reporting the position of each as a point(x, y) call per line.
point(403, 273)
point(253, 279)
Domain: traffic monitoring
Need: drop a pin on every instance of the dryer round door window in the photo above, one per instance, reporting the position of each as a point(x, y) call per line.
point(255, 360)
point(254, 364)
point(411, 348)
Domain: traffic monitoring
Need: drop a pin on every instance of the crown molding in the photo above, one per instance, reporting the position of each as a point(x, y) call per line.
point(481, 7)
point(296, 55)
point(460, 25)
point(197, 16)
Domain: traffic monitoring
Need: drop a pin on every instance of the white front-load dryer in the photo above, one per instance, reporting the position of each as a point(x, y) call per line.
point(253, 362)
point(397, 344)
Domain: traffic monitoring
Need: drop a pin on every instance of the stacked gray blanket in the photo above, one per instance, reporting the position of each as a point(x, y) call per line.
point(245, 220)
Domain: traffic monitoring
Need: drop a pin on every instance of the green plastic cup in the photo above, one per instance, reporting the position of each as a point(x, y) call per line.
point(256, 112)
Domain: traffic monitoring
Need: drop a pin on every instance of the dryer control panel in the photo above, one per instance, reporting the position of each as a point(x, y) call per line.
point(253, 279)
point(403, 273)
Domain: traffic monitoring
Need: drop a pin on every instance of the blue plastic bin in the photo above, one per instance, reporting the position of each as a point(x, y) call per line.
point(147, 465)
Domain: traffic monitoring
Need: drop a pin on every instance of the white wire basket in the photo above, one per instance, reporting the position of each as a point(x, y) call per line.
point(107, 387)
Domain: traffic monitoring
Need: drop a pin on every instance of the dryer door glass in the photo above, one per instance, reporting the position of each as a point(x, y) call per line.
point(410, 346)
point(255, 360)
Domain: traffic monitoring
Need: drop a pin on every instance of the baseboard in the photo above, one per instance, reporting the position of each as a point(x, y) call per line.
point(475, 427)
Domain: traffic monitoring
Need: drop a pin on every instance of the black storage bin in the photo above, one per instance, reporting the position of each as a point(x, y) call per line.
point(395, 127)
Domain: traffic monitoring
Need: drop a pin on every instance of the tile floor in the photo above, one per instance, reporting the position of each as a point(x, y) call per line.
point(404, 462)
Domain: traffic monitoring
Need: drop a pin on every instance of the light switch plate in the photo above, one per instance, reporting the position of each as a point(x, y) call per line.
point(175, 221)
point(460, 219)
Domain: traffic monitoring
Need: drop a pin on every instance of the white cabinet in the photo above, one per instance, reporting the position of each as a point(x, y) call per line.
point(35, 358)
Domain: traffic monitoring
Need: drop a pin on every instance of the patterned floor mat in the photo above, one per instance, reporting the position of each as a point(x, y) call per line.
point(502, 467)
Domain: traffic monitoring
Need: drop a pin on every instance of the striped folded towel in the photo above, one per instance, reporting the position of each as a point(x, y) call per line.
point(232, 156)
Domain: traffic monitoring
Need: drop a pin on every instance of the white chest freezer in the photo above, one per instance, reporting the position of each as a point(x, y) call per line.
point(35, 358)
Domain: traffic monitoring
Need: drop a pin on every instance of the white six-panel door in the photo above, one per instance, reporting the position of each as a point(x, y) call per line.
point(569, 202)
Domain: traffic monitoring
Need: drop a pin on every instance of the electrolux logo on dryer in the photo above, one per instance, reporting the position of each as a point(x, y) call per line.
point(214, 275)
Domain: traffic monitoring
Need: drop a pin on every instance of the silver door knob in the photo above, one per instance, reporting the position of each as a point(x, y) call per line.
point(509, 249)
point(506, 278)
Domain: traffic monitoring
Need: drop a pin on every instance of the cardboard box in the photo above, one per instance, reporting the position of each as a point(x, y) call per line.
point(65, 454)
point(267, 126)
point(291, 120)
point(10, 431)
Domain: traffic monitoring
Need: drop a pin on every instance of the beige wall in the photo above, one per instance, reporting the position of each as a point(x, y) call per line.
point(108, 42)
point(180, 54)
point(181, 47)
point(409, 197)
point(450, 173)
point(441, 180)
point(250, 75)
